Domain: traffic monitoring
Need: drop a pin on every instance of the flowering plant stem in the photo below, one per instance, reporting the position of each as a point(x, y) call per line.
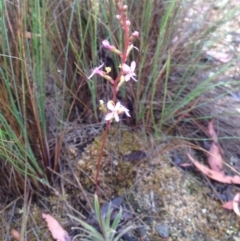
point(101, 154)
point(125, 74)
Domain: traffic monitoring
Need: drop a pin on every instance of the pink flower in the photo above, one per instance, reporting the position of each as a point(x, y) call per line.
point(115, 111)
point(107, 45)
point(129, 71)
point(97, 71)
point(110, 47)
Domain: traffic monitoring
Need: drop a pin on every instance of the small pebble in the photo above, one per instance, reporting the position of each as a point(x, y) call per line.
point(141, 231)
point(162, 230)
point(204, 210)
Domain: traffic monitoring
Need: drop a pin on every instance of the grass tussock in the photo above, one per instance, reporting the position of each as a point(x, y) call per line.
point(47, 47)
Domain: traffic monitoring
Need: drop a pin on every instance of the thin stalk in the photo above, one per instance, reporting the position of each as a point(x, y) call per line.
point(124, 56)
point(101, 154)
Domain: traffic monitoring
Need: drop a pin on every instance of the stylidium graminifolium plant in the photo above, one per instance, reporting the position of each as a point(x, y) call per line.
point(113, 109)
point(109, 231)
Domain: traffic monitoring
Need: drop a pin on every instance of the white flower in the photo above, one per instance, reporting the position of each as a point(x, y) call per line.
point(115, 111)
point(129, 71)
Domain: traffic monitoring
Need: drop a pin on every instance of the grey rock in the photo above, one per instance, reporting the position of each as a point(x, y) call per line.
point(162, 230)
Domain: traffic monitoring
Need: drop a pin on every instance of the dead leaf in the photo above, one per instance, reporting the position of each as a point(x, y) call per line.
point(212, 132)
point(55, 228)
point(213, 135)
point(228, 205)
point(236, 201)
point(15, 234)
point(220, 177)
point(234, 204)
point(186, 164)
point(223, 57)
point(215, 159)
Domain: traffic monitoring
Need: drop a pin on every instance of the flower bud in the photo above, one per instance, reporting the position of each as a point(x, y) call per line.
point(102, 107)
point(135, 34)
point(120, 83)
point(128, 23)
point(107, 45)
point(110, 47)
point(108, 69)
point(107, 77)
